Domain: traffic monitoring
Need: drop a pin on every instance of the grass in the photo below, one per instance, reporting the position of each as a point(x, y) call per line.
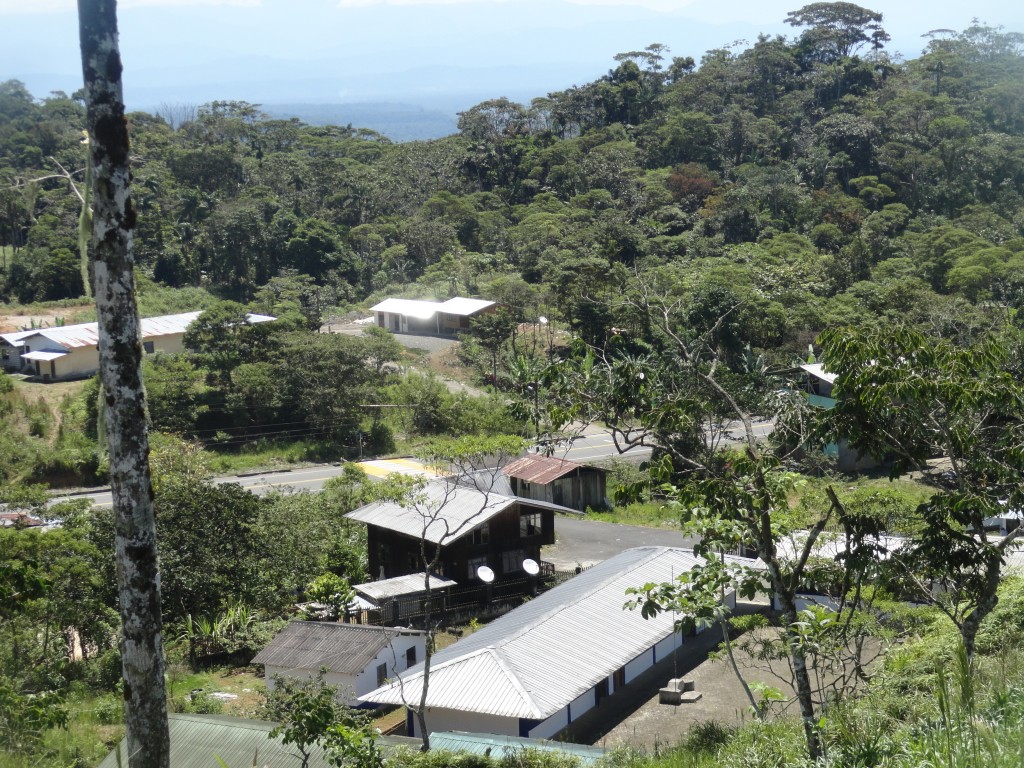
point(269, 455)
point(651, 514)
point(52, 394)
point(95, 722)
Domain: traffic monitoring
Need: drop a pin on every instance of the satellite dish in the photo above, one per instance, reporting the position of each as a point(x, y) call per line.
point(530, 566)
point(485, 574)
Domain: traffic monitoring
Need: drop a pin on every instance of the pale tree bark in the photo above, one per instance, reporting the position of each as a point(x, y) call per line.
point(120, 355)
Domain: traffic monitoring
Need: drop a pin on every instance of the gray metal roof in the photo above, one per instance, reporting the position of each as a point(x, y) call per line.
point(818, 371)
point(342, 648)
point(14, 339)
point(422, 310)
point(441, 512)
point(87, 334)
point(198, 741)
point(409, 584)
point(496, 746)
point(533, 661)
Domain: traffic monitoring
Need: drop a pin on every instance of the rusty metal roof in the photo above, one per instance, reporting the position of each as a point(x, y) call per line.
point(534, 468)
point(87, 334)
point(342, 648)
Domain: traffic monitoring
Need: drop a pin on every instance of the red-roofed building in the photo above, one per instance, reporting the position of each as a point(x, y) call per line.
point(557, 481)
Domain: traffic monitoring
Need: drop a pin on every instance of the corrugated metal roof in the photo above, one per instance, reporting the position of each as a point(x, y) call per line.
point(43, 355)
point(496, 746)
point(425, 309)
point(410, 307)
point(442, 512)
point(69, 336)
point(535, 468)
point(465, 307)
point(818, 371)
point(342, 648)
point(87, 334)
point(14, 339)
point(830, 544)
point(409, 584)
point(198, 741)
point(541, 656)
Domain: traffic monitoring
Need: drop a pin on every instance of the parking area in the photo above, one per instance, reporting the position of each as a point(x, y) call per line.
point(580, 542)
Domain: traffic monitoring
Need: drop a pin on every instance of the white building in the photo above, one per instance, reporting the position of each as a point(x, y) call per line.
point(535, 670)
point(72, 351)
point(428, 317)
point(358, 658)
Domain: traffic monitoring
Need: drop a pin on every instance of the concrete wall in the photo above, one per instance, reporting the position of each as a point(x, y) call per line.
point(551, 726)
point(345, 684)
point(393, 657)
point(472, 722)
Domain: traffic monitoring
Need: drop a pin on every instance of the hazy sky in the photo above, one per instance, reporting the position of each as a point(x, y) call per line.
point(433, 52)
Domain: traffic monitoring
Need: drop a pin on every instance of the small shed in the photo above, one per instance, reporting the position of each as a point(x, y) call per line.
point(401, 597)
point(358, 658)
point(442, 318)
point(558, 481)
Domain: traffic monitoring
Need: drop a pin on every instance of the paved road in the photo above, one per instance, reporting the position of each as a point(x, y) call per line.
point(593, 447)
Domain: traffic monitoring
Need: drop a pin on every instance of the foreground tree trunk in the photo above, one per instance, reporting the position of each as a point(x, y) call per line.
point(120, 355)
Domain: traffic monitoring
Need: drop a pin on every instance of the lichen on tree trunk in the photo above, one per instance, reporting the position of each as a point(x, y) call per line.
point(120, 357)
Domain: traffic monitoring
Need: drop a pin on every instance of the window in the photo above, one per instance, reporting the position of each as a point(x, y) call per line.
point(512, 562)
point(482, 534)
point(382, 673)
point(529, 524)
point(410, 656)
point(148, 347)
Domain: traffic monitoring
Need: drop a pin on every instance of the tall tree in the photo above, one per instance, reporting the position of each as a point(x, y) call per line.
point(120, 357)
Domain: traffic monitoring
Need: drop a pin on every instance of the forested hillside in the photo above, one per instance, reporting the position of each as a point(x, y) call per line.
point(664, 244)
point(813, 177)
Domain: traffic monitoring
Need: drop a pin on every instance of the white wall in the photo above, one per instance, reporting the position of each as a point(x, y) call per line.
point(473, 722)
point(392, 655)
point(344, 683)
point(667, 646)
point(551, 726)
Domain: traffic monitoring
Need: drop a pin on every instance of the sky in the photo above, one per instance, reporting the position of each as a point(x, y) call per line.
point(437, 54)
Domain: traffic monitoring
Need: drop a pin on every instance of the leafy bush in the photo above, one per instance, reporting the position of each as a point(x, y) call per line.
point(708, 736)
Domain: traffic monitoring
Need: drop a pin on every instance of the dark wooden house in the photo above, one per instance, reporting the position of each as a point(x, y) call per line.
point(471, 527)
point(557, 481)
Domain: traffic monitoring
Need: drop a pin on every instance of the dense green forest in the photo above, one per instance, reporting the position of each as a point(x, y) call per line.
point(665, 243)
point(816, 177)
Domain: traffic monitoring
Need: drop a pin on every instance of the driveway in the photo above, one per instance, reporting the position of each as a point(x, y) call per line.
point(586, 542)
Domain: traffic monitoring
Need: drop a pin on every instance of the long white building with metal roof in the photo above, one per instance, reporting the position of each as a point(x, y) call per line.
point(428, 317)
point(535, 670)
point(72, 351)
